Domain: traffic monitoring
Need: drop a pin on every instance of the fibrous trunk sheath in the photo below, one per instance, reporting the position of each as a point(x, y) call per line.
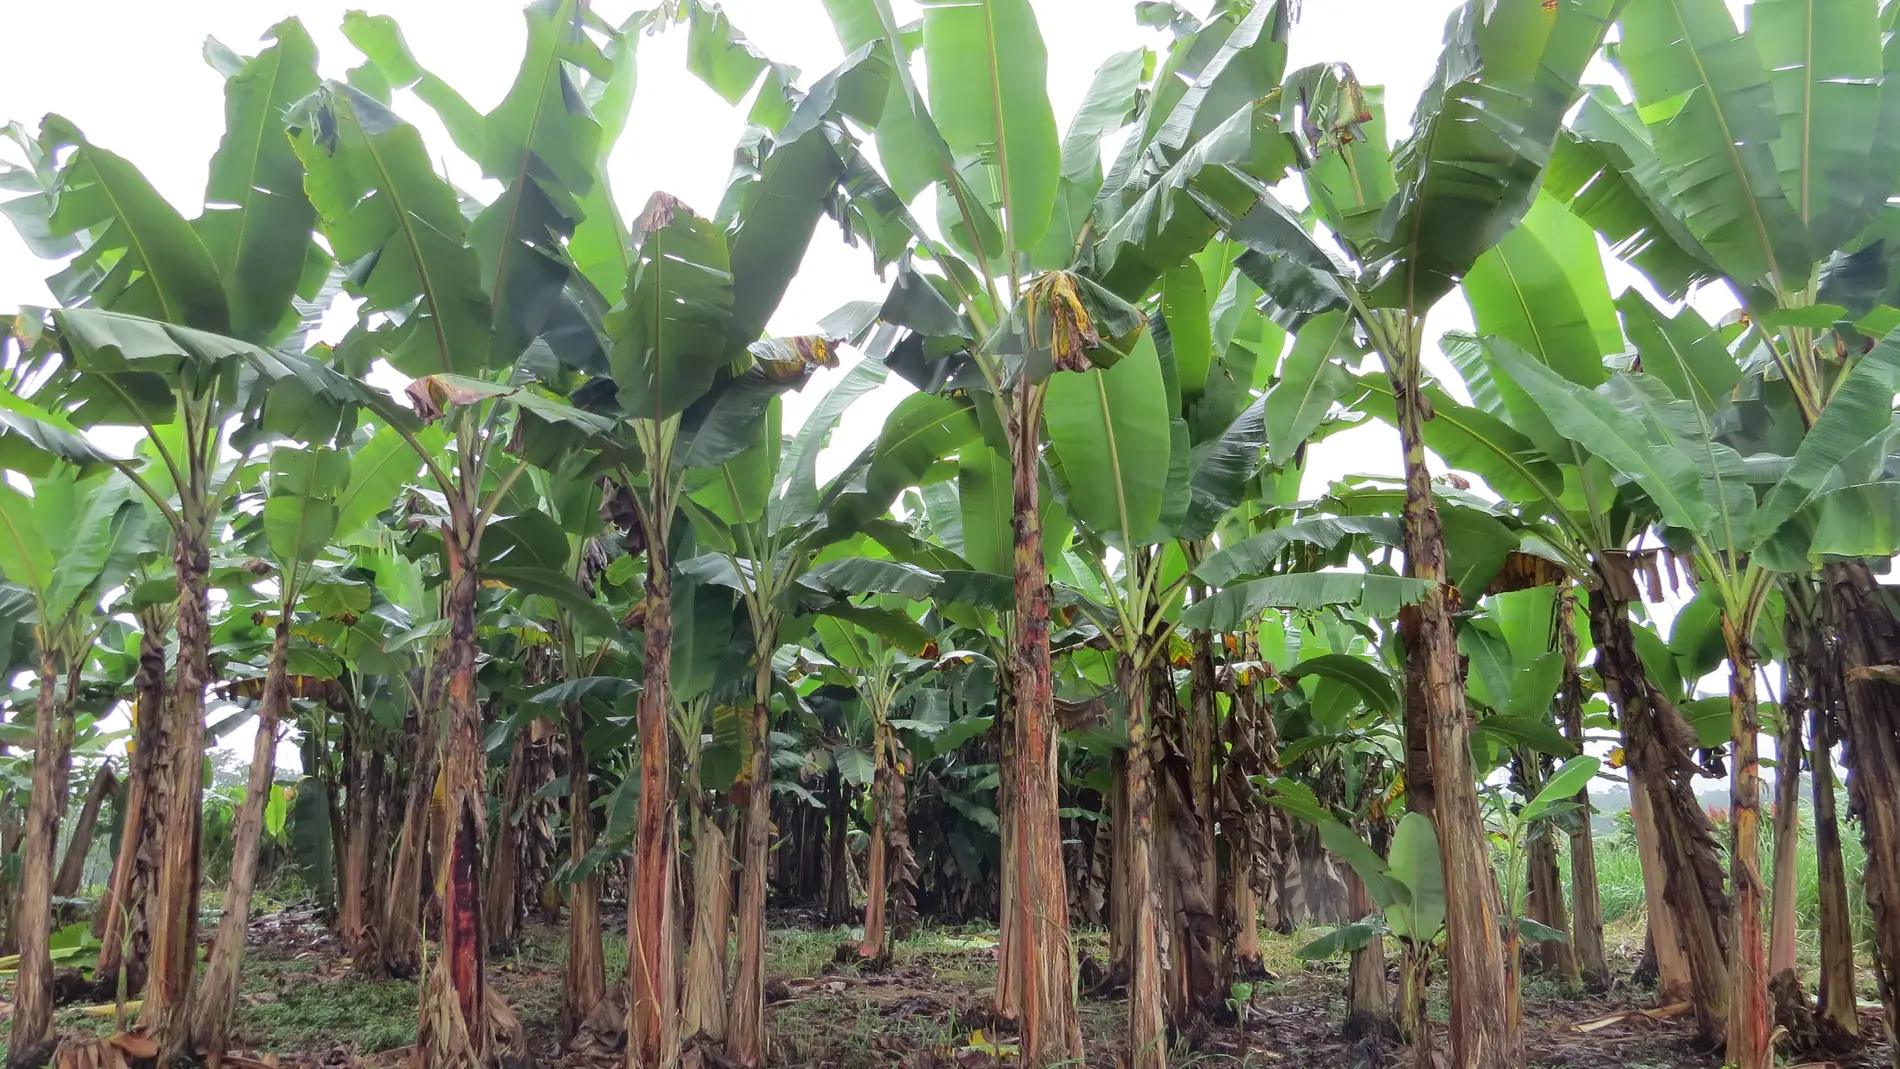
point(1748, 1017)
point(1482, 1034)
point(1040, 954)
point(1658, 744)
point(166, 1010)
point(458, 1028)
point(652, 934)
point(124, 938)
point(1587, 903)
point(745, 1024)
point(585, 980)
point(31, 1041)
point(217, 993)
point(1862, 613)
point(1147, 1044)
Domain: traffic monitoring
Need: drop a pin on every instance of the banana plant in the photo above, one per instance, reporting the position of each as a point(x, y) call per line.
point(1509, 73)
point(65, 546)
point(1072, 247)
point(693, 377)
point(1706, 494)
point(167, 326)
point(1407, 885)
point(312, 498)
point(881, 666)
point(1541, 295)
point(486, 318)
point(1514, 826)
point(1773, 181)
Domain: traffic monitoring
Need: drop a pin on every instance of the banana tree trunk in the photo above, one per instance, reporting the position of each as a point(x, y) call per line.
point(1368, 1009)
point(703, 1002)
point(353, 877)
point(1200, 741)
point(1836, 1000)
point(12, 830)
point(745, 1024)
point(1657, 743)
point(1193, 966)
point(1586, 899)
point(1147, 1042)
point(1788, 994)
point(1665, 944)
point(1863, 616)
point(1006, 1000)
point(584, 983)
point(217, 992)
point(837, 855)
point(902, 903)
point(1121, 904)
point(503, 920)
point(1040, 953)
point(1748, 1017)
point(1797, 693)
point(458, 1021)
point(124, 939)
point(402, 917)
point(1556, 957)
point(653, 1040)
point(1248, 738)
point(166, 1010)
point(1482, 1033)
point(72, 864)
point(876, 874)
point(30, 1043)
point(363, 861)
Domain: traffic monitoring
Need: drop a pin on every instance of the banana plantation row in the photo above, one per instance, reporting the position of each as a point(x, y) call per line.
point(576, 617)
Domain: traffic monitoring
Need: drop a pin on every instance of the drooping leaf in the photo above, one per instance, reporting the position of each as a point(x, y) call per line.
point(1666, 475)
point(1605, 168)
point(987, 70)
point(1483, 130)
point(670, 336)
point(1220, 469)
point(719, 54)
point(867, 575)
point(1236, 607)
point(1372, 685)
point(1704, 91)
point(1310, 381)
point(1543, 288)
point(256, 215)
point(1263, 553)
point(382, 44)
point(1110, 427)
point(397, 228)
point(143, 258)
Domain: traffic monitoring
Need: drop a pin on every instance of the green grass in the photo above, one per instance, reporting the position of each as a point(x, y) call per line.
point(1620, 888)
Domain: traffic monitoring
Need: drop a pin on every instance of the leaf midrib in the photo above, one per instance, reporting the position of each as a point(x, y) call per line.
point(996, 111)
point(527, 152)
point(250, 179)
point(42, 584)
point(133, 238)
point(1728, 144)
point(403, 217)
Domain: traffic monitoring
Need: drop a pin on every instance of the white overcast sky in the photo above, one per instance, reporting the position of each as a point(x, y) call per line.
point(142, 90)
